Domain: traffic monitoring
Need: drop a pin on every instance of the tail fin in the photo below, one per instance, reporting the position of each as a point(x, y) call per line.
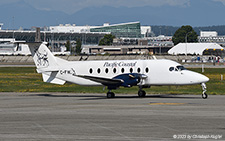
point(46, 62)
point(42, 56)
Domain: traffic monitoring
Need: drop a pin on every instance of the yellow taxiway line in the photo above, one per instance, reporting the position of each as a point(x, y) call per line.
point(166, 103)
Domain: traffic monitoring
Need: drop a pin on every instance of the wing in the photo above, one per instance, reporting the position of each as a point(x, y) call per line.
point(126, 80)
point(103, 81)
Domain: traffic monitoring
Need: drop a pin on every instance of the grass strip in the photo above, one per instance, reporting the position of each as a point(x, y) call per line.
point(25, 79)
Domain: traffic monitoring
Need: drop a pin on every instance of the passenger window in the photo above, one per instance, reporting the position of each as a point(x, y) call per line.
point(106, 70)
point(114, 70)
point(131, 70)
point(138, 70)
point(98, 70)
point(171, 68)
point(91, 71)
point(122, 70)
point(146, 70)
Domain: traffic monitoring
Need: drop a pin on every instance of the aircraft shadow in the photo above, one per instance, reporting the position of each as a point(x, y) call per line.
point(87, 97)
point(161, 96)
point(103, 96)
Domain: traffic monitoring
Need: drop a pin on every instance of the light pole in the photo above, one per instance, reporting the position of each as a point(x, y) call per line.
point(186, 42)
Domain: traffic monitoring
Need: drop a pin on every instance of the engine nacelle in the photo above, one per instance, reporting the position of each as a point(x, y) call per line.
point(129, 79)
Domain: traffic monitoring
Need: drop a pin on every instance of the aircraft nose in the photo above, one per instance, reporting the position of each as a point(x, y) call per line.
point(204, 79)
point(198, 78)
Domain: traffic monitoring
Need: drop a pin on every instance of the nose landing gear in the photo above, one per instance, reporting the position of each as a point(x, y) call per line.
point(204, 95)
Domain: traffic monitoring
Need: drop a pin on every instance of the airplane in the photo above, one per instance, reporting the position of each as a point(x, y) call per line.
point(113, 73)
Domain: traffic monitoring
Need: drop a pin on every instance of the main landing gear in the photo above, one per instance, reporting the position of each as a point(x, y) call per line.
point(110, 94)
point(204, 95)
point(141, 93)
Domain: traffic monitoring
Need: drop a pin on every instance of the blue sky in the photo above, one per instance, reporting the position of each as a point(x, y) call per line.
point(72, 6)
point(29, 13)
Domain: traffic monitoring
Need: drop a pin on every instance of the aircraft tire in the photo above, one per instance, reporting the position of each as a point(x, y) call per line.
point(204, 96)
point(110, 95)
point(141, 93)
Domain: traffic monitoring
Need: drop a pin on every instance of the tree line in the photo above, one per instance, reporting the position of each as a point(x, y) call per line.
point(170, 30)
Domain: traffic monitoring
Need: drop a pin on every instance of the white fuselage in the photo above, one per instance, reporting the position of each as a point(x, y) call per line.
point(158, 72)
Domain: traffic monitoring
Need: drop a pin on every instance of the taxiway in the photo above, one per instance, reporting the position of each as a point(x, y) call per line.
point(65, 116)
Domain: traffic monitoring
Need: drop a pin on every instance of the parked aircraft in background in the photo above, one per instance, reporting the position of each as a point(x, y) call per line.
point(113, 73)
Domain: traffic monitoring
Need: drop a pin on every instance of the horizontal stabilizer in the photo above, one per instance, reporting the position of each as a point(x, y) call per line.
point(52, 79)
point(49, 69)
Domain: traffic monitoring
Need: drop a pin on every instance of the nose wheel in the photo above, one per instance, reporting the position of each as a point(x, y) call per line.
point(204, 95)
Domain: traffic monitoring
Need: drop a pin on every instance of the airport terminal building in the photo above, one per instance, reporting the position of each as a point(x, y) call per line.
point(122, 30)
point(125, 30)
point(57, 36)
point(211, 37)
point(87, 34)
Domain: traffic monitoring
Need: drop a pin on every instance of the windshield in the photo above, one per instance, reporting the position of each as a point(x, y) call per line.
point(181, 68)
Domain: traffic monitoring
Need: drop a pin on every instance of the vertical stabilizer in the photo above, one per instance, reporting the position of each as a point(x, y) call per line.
point(46, 62)
point(42, 56)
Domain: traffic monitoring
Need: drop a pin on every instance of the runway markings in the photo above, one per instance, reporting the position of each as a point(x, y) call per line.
point(153, 103)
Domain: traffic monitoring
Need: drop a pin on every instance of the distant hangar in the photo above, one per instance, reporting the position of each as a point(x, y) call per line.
point(196, 49)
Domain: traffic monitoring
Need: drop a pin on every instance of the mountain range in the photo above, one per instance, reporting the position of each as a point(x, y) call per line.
point(198, 13)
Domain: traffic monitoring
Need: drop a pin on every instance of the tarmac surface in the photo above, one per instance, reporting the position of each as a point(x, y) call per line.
point(83, 117)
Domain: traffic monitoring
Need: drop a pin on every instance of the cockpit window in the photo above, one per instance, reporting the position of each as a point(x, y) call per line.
point(181, 68)
point(171, 68)
point(177, 68)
